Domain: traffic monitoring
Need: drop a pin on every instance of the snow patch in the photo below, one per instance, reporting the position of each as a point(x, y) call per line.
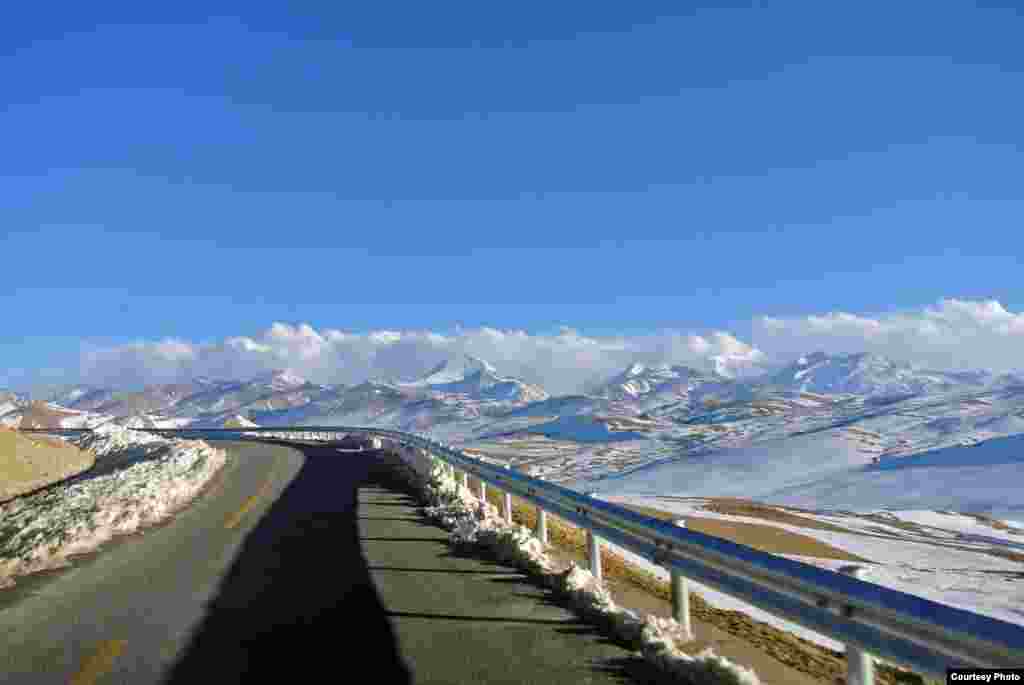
point(947, 561)
point(474, 522)
point(138, 480)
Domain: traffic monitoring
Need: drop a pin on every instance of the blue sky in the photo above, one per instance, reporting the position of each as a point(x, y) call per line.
point(199, 173)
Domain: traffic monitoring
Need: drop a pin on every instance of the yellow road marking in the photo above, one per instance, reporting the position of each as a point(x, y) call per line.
point(236, 518)
point(99, 662)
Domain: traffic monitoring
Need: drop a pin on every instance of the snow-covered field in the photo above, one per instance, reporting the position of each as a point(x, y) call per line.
point(825, 470)
point(921, 543)
point(985, 478)
point(949, 558)
point(138, 480)
point(749, 471)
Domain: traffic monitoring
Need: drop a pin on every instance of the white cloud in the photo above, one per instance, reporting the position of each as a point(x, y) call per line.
point(562, 362)
point(952, 334)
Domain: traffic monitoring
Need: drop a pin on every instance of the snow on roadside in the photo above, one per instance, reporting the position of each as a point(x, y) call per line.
point(139, 480)
point(478, 523)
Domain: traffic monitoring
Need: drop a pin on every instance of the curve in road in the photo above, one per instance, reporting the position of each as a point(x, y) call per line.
point(298, 562)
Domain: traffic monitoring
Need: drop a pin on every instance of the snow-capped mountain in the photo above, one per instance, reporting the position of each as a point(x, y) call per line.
point(478, 380)
point(10, 402)
point(152, 399)
point(270, 392)
point(454, 370)
point(640, 380)
point(39, 414)
point(152, 421)
point(239, 421)
point(280, 381)
point(67, 396)
point(666, 389)
point(83, 397)
point(737, 365)
point(1012, 379)
point(869, 375)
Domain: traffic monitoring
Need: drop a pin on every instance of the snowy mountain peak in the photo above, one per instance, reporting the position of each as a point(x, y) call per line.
point(457, 369)
point(13, 397)
point(723, 366)
point(869, 374)
point(478, 364)
point(640, 380)
point(476, 378)
point(208, 382)
point(635, 369)
point(812, 359)
point(281, 379)
point(238, 421)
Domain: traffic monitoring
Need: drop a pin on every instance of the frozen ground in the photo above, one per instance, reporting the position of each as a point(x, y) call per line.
point(985, 478)
point(957, 560)
point(137, 481)
point(922, 545)
point(825, 470)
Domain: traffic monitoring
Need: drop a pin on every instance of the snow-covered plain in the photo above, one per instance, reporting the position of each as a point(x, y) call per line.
point(138, 480)
point(986, 478)
point(824, 470)
point(948, 558)
point(749, 471)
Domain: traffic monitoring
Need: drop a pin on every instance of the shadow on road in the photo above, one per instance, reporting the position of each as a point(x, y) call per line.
point(299, 600)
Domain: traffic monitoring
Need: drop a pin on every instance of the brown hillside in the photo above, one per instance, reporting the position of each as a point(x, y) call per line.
point(29, 462)
point(42, 415)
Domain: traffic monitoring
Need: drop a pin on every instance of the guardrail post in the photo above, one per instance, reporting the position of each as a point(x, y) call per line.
point(508, 501)
point(542, 525)
point(860, 667)
point(483, 491)
point(464, 477)
point(681, 596)
point(594, 550)
point(542, 521)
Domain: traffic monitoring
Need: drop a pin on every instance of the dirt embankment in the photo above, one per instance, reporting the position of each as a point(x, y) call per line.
point(31, 462)
point(763, 537)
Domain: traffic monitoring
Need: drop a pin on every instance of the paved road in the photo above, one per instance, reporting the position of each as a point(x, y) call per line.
point(303, 563)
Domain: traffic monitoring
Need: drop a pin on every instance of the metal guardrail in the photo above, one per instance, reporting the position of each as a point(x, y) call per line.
point(869, 619)
point(911, 631)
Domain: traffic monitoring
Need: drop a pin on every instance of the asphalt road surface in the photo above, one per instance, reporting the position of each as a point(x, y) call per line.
point(302, 563)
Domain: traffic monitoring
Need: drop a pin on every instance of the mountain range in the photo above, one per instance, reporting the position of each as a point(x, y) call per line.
point(654, 409)
point(469, 387)
point(870, 375)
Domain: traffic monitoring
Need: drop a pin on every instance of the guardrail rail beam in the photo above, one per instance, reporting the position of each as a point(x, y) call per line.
point(873, 621)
